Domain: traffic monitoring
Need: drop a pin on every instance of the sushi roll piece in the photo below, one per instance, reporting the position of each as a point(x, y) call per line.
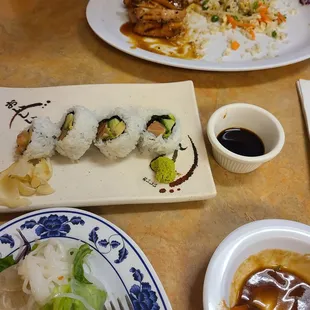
point(118, 133)
point(38, 140)
point(78, 128)
point(161, 134)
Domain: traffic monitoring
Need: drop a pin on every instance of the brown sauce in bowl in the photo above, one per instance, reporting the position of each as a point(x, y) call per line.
point(274, 289)
point(272, 279)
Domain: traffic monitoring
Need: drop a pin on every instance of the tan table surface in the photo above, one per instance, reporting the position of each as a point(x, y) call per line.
point(46, 43)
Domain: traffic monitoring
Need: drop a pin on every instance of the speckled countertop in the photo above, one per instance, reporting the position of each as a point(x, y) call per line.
point(47, 43)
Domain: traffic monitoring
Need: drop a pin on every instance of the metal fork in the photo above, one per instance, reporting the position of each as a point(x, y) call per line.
point(120, 305)
point(26, 248)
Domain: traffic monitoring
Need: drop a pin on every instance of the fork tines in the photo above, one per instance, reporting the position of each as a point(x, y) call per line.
point(120, 305)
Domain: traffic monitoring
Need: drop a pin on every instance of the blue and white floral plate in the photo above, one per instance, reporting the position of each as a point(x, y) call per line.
point(117, 261)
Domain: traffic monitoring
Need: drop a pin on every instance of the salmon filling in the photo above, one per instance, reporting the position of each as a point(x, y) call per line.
point(161, 125)
point(22, 141)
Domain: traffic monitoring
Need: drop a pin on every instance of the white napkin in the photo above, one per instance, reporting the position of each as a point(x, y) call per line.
point(304, 92)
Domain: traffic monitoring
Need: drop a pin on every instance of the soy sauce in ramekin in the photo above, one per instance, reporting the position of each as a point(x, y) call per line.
point(242, 141)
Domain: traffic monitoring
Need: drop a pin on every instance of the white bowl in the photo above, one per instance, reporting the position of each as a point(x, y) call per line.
point(250, 117)
point(245, 241)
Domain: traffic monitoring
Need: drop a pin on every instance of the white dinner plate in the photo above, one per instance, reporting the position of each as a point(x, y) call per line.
point(94, 180)
point(106, 17)
point(116, 260)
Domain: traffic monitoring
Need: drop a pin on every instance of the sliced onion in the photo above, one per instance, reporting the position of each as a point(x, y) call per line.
point(12, 296)
point(14, 301)
point(10, 280)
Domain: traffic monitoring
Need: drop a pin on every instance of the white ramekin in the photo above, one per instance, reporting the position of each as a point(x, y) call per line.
point(245, 241)
point(250, 117)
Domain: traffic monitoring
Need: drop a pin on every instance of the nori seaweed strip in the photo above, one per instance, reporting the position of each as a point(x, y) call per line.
point(108, 119)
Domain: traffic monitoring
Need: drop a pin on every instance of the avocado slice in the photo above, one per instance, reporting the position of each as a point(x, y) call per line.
point(113, 122)
point(69, 122)
point(67, 126)
point(117, 128)
point(172, 117)
point(110, 129)
point(168, 123)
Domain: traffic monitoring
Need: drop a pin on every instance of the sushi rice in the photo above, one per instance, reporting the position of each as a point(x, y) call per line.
point(149, 144)
point(124, 144)
point(79, 139)
point(43, 139)
point(122, 131)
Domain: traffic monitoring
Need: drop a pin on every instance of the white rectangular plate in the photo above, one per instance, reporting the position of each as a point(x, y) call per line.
point(94, 180)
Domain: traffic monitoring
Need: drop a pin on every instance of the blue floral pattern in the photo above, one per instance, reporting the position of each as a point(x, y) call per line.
point(141, 295)
point(53, 225)
point(110, 244)
point(7, 239)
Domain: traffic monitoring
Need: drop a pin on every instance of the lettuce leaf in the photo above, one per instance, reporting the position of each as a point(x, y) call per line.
point(78, 270)
point(79, 286)
point(89, 293)
point(6, 262)
point(94, 296)
point(60, 303)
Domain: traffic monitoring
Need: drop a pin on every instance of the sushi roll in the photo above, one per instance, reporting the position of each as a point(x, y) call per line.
point(78, 128)
point(118, 133)
point(38, 140)
point(161, 134)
